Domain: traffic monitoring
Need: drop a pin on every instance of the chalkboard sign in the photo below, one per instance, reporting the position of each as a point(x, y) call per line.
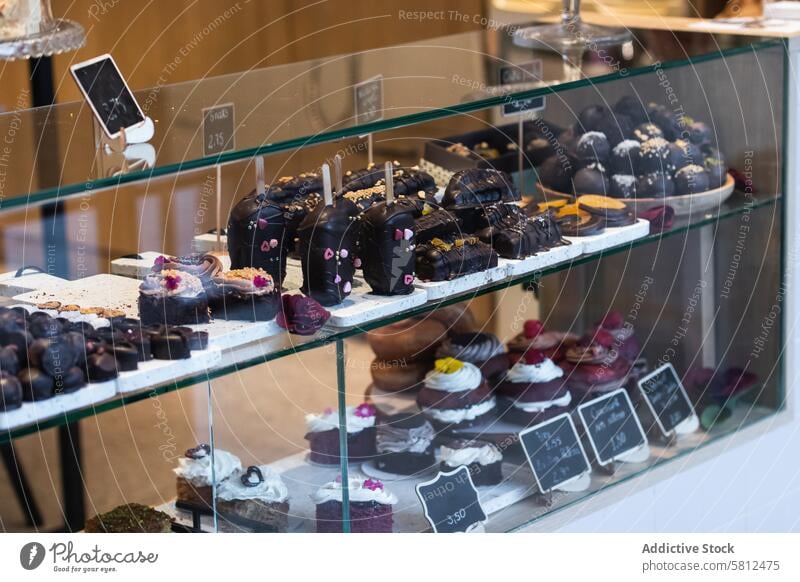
point(522, 73)
point(108, 94)
point(554, 452)
point(218, 129)
point(612, 426)
point(369, 100)
point(451, 502)
point(666, 397)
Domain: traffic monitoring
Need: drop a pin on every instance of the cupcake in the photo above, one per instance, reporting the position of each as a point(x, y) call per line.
point(173, 298)
point(535, 389)
point(256, 498)
point(195, 477)
point(247, 294)
point(594, 366)
point(554, 344)
point(481, 349)
point(130, 518)
point(455, 394)
point(323, 435)
point(625, 341)
point(405, 444)
point(370, 506)
point(484, 460)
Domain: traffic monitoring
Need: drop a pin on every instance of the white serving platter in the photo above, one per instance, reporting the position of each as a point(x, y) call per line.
point(612, 237)
point(442, 289)
point(543, 260)
point(362, 306)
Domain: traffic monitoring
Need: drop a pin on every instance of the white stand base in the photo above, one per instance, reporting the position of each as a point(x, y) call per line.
point(576, 485)
point(688, 426)
point(638, 455)
point(542, 260)
point(442, 289)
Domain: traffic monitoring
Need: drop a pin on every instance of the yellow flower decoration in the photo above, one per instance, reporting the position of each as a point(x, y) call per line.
point(448, 365)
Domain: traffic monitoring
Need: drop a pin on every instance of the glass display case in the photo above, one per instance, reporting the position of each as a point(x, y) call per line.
point(659, 293)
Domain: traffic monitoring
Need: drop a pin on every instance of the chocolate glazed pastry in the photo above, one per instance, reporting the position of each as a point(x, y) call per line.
point(470, 190)
point(260, 235)
point(440, 260)
point(367, 187)
point(438, 223)
point(388, 243)
point(328, 250)
point(515, 236)
point(170, 345)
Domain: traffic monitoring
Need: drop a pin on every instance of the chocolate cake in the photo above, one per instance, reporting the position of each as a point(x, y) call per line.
point(261, 234)
point(437, 223)
point(130, 518)
point(243, 294)
point(404, 444)
point(370, 506)
point(172, 298)
point(329, 251)
point(388, 243)
point(470, 190)
point(444, 260)
point(368, 186)
point(514, 235)
point(484, 460)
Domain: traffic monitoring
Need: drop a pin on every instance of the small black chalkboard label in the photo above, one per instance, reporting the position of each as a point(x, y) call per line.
point(451, 502)
point(554, 452)
point(612, 426)
point(369, 100)
point(666, 397)
point(218, 129)
point(107, 93)
point(522, 73)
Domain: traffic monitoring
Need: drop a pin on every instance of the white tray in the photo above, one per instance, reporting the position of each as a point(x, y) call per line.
point(11, 285)
point(612, 237)
point(31, 412)
point(543, 260)
point(442, 289)
point(362, 306)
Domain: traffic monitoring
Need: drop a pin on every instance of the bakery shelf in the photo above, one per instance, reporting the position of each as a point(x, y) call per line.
point(424, 81)
point(235, 359)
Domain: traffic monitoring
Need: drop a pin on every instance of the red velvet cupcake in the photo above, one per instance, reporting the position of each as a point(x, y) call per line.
point(594, 366)
point(553, 344)
point(370, 506)
point(455, 395)
point(323, 435)
point(625, 341)
point(534, 390)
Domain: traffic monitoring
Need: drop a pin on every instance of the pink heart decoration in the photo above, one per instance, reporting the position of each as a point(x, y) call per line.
point(343, 253)
point(408, 279)
point(407, 234)
point(273, 243)
point(262, 223)
point(265, 247)
point(328, 254)
point(347, 287)
point(398, 234)
point(337, 280)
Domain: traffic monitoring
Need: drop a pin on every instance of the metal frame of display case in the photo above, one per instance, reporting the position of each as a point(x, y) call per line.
point(273, 348)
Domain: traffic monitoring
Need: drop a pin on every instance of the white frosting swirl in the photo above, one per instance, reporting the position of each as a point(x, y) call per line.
point(481, 453)
point(198, 471)
point(329, 420)
point(544, 371)
point(392, 439)
point(456, 415)
point(543, 405)
point(272, 490)
point(332, 491)
point(170, 283)
point(468, 377)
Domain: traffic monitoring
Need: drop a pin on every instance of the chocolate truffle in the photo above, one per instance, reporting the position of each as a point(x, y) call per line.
point(556, 173)
point(700, 134)
point(101, 366)
point(646, 131)
point(633, 108)
point(717, 169)
point(655, 185)
point(625, 157)
point(623, 186)
point(170, 345)
point(591, 180)
point(691, 180)
point(666, 121)
point(653, 155)
point(10, 392)
point(593, 147)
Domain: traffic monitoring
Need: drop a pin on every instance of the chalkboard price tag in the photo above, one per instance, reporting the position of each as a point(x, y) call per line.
point(108, 95)
point(218, 129)
point(612, 426)
point(369, 100)
point(554, 452)
point(666, 397)
point(451, 502)
point(523, 73)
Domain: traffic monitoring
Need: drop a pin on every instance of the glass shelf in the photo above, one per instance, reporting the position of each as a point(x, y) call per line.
point(55, 151)
point(284, 344)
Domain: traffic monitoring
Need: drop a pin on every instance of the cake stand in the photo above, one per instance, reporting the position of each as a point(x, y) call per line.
point(57, 36)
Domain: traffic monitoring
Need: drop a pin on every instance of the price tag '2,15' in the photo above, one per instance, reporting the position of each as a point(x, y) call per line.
point(451, 502)
point(218, 129)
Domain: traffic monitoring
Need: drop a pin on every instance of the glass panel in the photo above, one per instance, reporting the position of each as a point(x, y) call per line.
point(56, 152)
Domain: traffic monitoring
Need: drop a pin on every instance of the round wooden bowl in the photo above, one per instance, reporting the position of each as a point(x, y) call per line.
point(683, 205)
